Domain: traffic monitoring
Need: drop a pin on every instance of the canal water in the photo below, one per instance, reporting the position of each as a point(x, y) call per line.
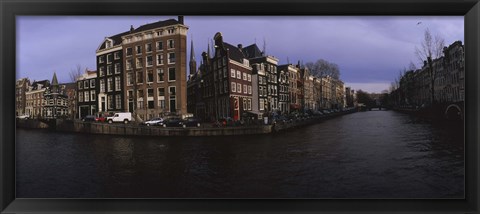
point(375, 154)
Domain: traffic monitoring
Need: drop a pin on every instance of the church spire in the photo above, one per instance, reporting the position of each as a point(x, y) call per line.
point(54, 79)
point(193, 62)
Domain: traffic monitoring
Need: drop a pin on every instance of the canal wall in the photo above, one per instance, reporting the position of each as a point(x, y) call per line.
point(136, 130)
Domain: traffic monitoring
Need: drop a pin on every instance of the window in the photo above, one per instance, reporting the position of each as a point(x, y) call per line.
point(129, 78)
point(244, 104)
point(148, 47)
point(130, 94)
point(80, 86)
point(234, 87)
point(171, 43)
point(160, 59)
point(116, 55)
point(149, 61)
point(161, 103)
point(110, 101)
point(80, 98)
point(245, 89)
point(109, 70)
point(139, 77)
point(249, 77)
point(239, 75)
point(161, 92)
point(102, 85)
point(173, 103)
point(108, 44)
point(109, 84)
point(160, 76)
point(101, 71)
point(129, 51)
point(138, 49)
point(92, 95)
point(224, 72)
point(150, 92)
point(140, 93)
point(139, 62)
point(92, 83)
point(249, 89)
point(171, 31)
point(171, 58)
point(239, 88)
point(87, 96)
point(249, 104)
point(117, 68)
point(150, 76)
point(85, 84)
point(151, 104)
point(244, 76)
point(118, 101)
point(109, 58)
point(159, 46)
point(128, 64)
point(232, 73)
point(171, 74)
point(117, 84)
point(101, 59)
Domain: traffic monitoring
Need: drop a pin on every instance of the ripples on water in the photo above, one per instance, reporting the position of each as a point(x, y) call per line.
point(378, 154)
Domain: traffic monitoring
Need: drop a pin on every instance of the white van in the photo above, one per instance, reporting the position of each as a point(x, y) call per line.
point(124, 117)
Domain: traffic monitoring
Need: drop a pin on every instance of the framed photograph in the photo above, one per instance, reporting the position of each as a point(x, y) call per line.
point(246, 107)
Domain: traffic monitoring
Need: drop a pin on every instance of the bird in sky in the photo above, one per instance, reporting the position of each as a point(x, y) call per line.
point(419, 23)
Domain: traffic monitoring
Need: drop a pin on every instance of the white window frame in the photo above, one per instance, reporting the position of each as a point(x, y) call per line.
point(239, 88)
point(232, 73)
point(118, 84)
point(239, 75)
point(234, 87)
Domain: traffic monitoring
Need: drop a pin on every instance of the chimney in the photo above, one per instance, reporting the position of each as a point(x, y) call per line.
point(180, 19)
point(239, 46)
point(131, 28)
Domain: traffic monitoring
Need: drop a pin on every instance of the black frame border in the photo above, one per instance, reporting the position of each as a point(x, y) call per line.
point(470, 9)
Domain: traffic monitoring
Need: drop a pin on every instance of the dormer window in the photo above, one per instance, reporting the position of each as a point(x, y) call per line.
point(108, 44)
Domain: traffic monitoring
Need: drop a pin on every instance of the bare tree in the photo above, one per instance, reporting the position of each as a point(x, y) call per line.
point(412, 67)
point(431, 48)
point(323, 68)
point(75, 73)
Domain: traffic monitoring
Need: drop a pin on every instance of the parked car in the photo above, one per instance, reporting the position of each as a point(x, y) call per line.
point(124, 117)
point(158, 121)
point(24, 117)
point(89, 118)
point(100, 118)
point(173, 122)
point(191, 122)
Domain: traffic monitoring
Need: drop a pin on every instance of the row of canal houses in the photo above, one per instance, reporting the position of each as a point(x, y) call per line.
point(238, 81)
point(449, 80)
point(144, 71)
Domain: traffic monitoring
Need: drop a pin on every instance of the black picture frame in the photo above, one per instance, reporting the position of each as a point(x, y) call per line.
point(470, 9)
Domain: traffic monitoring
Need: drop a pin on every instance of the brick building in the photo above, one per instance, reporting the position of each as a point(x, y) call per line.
point(87, 103)
point(155, 69)
point(21, 87)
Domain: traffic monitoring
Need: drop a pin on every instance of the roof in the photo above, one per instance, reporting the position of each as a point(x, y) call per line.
point(234, 52)
point(154, 25)
point(44, 83)
point(252, 51)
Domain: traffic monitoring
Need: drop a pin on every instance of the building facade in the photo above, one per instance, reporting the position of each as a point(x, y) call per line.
point(34, 98)
point(87, 87)
point(109, 94)
point(55, 103)
point(155, 69)
point(21, 86)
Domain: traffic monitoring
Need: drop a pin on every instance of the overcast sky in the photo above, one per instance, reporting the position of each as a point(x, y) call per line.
point(370, 50)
